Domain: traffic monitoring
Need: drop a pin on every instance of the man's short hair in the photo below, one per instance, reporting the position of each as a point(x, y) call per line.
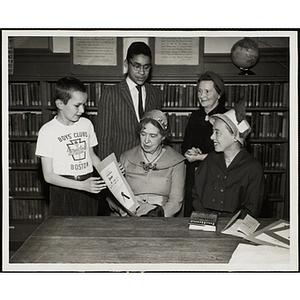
point(137, 48)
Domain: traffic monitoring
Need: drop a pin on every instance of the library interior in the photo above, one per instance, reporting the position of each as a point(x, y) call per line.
point(36, 63)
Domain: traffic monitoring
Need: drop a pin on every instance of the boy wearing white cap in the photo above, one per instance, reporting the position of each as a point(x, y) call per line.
point(230, 178)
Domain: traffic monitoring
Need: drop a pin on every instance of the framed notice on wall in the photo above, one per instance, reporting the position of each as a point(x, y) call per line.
point(97, 56)
point(95, 51)
point(180, 57)
point(177, 51)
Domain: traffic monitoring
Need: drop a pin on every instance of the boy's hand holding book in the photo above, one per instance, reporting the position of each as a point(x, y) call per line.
point(94, 185)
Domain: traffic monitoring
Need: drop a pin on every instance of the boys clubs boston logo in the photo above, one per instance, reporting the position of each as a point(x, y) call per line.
point(77, 149)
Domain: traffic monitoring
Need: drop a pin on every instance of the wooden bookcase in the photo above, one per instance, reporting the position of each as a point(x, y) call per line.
point(268, 140)
point(29, 107)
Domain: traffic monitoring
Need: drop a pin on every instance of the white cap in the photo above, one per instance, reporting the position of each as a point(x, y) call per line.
point(240, 129)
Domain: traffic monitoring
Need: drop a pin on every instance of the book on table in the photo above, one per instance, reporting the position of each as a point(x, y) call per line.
point(241, 227)
point(203, 221)
point(275, 234)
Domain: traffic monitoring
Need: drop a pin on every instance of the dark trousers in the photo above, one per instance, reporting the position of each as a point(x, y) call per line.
point(69, 202)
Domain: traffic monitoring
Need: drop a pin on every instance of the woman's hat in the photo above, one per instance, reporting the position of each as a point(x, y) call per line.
point(216, 78)
point(158, 116)
point(240, 129)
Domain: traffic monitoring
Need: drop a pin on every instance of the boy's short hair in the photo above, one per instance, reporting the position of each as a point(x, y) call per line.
point(67, 85)
point(137, 48)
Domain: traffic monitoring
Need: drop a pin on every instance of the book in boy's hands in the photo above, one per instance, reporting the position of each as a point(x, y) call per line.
point(203, 221)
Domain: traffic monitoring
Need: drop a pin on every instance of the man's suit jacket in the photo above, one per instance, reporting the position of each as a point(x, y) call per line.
point(117, 121)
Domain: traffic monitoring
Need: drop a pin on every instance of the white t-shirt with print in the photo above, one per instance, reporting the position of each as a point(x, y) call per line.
point(68, 146)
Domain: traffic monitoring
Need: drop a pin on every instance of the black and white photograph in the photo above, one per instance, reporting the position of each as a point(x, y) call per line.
point(196, 136)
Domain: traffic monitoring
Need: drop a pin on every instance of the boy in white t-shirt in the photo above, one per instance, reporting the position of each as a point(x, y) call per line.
point(65, 145)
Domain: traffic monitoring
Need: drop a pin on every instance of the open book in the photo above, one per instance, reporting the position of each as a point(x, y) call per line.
point(241, 227)
point(117, 184)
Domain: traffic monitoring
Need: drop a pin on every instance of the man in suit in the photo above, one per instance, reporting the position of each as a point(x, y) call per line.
point(122, 105)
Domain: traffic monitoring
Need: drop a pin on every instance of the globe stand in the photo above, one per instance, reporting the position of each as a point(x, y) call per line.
point(246, 72)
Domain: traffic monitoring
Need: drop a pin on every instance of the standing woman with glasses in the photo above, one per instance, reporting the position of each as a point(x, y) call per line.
point(197, 142)
point(122, 106)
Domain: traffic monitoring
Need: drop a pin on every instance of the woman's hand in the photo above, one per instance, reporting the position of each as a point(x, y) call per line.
point(193, 154)
point(93, 185)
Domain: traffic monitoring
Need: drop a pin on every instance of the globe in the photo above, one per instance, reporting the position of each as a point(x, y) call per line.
point(245, 55)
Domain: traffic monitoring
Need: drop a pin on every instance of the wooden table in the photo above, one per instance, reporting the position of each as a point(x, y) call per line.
point(115, 240)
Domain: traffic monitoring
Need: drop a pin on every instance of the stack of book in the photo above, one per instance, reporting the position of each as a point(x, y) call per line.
point(203, 221)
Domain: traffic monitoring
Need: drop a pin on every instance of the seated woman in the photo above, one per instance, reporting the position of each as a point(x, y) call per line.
point(230, 178)
point(155, 173)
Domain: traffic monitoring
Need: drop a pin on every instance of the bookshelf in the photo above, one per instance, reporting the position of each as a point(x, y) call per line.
point(27, 189)
point(267, 113)
point(31, 87)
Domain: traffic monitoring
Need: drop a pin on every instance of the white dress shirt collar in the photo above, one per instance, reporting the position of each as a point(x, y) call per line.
point(135, 95)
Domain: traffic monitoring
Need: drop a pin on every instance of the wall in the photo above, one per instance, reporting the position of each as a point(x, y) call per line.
point(44, 63)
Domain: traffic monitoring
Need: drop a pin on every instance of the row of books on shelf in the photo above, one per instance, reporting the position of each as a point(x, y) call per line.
point(263, 125)
point(94, 91)
point(28, 209)
point(24, 123)
point(274, 183)
point(24, 94)
point(267, 124)
point(23, 181)
point(255, 94)
point(178, 124)
point(258, 94)
point(28, 93)
point(172, 95)
point(22, 153)
point(270, 155)
point(178, 95)
point(30, 182)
